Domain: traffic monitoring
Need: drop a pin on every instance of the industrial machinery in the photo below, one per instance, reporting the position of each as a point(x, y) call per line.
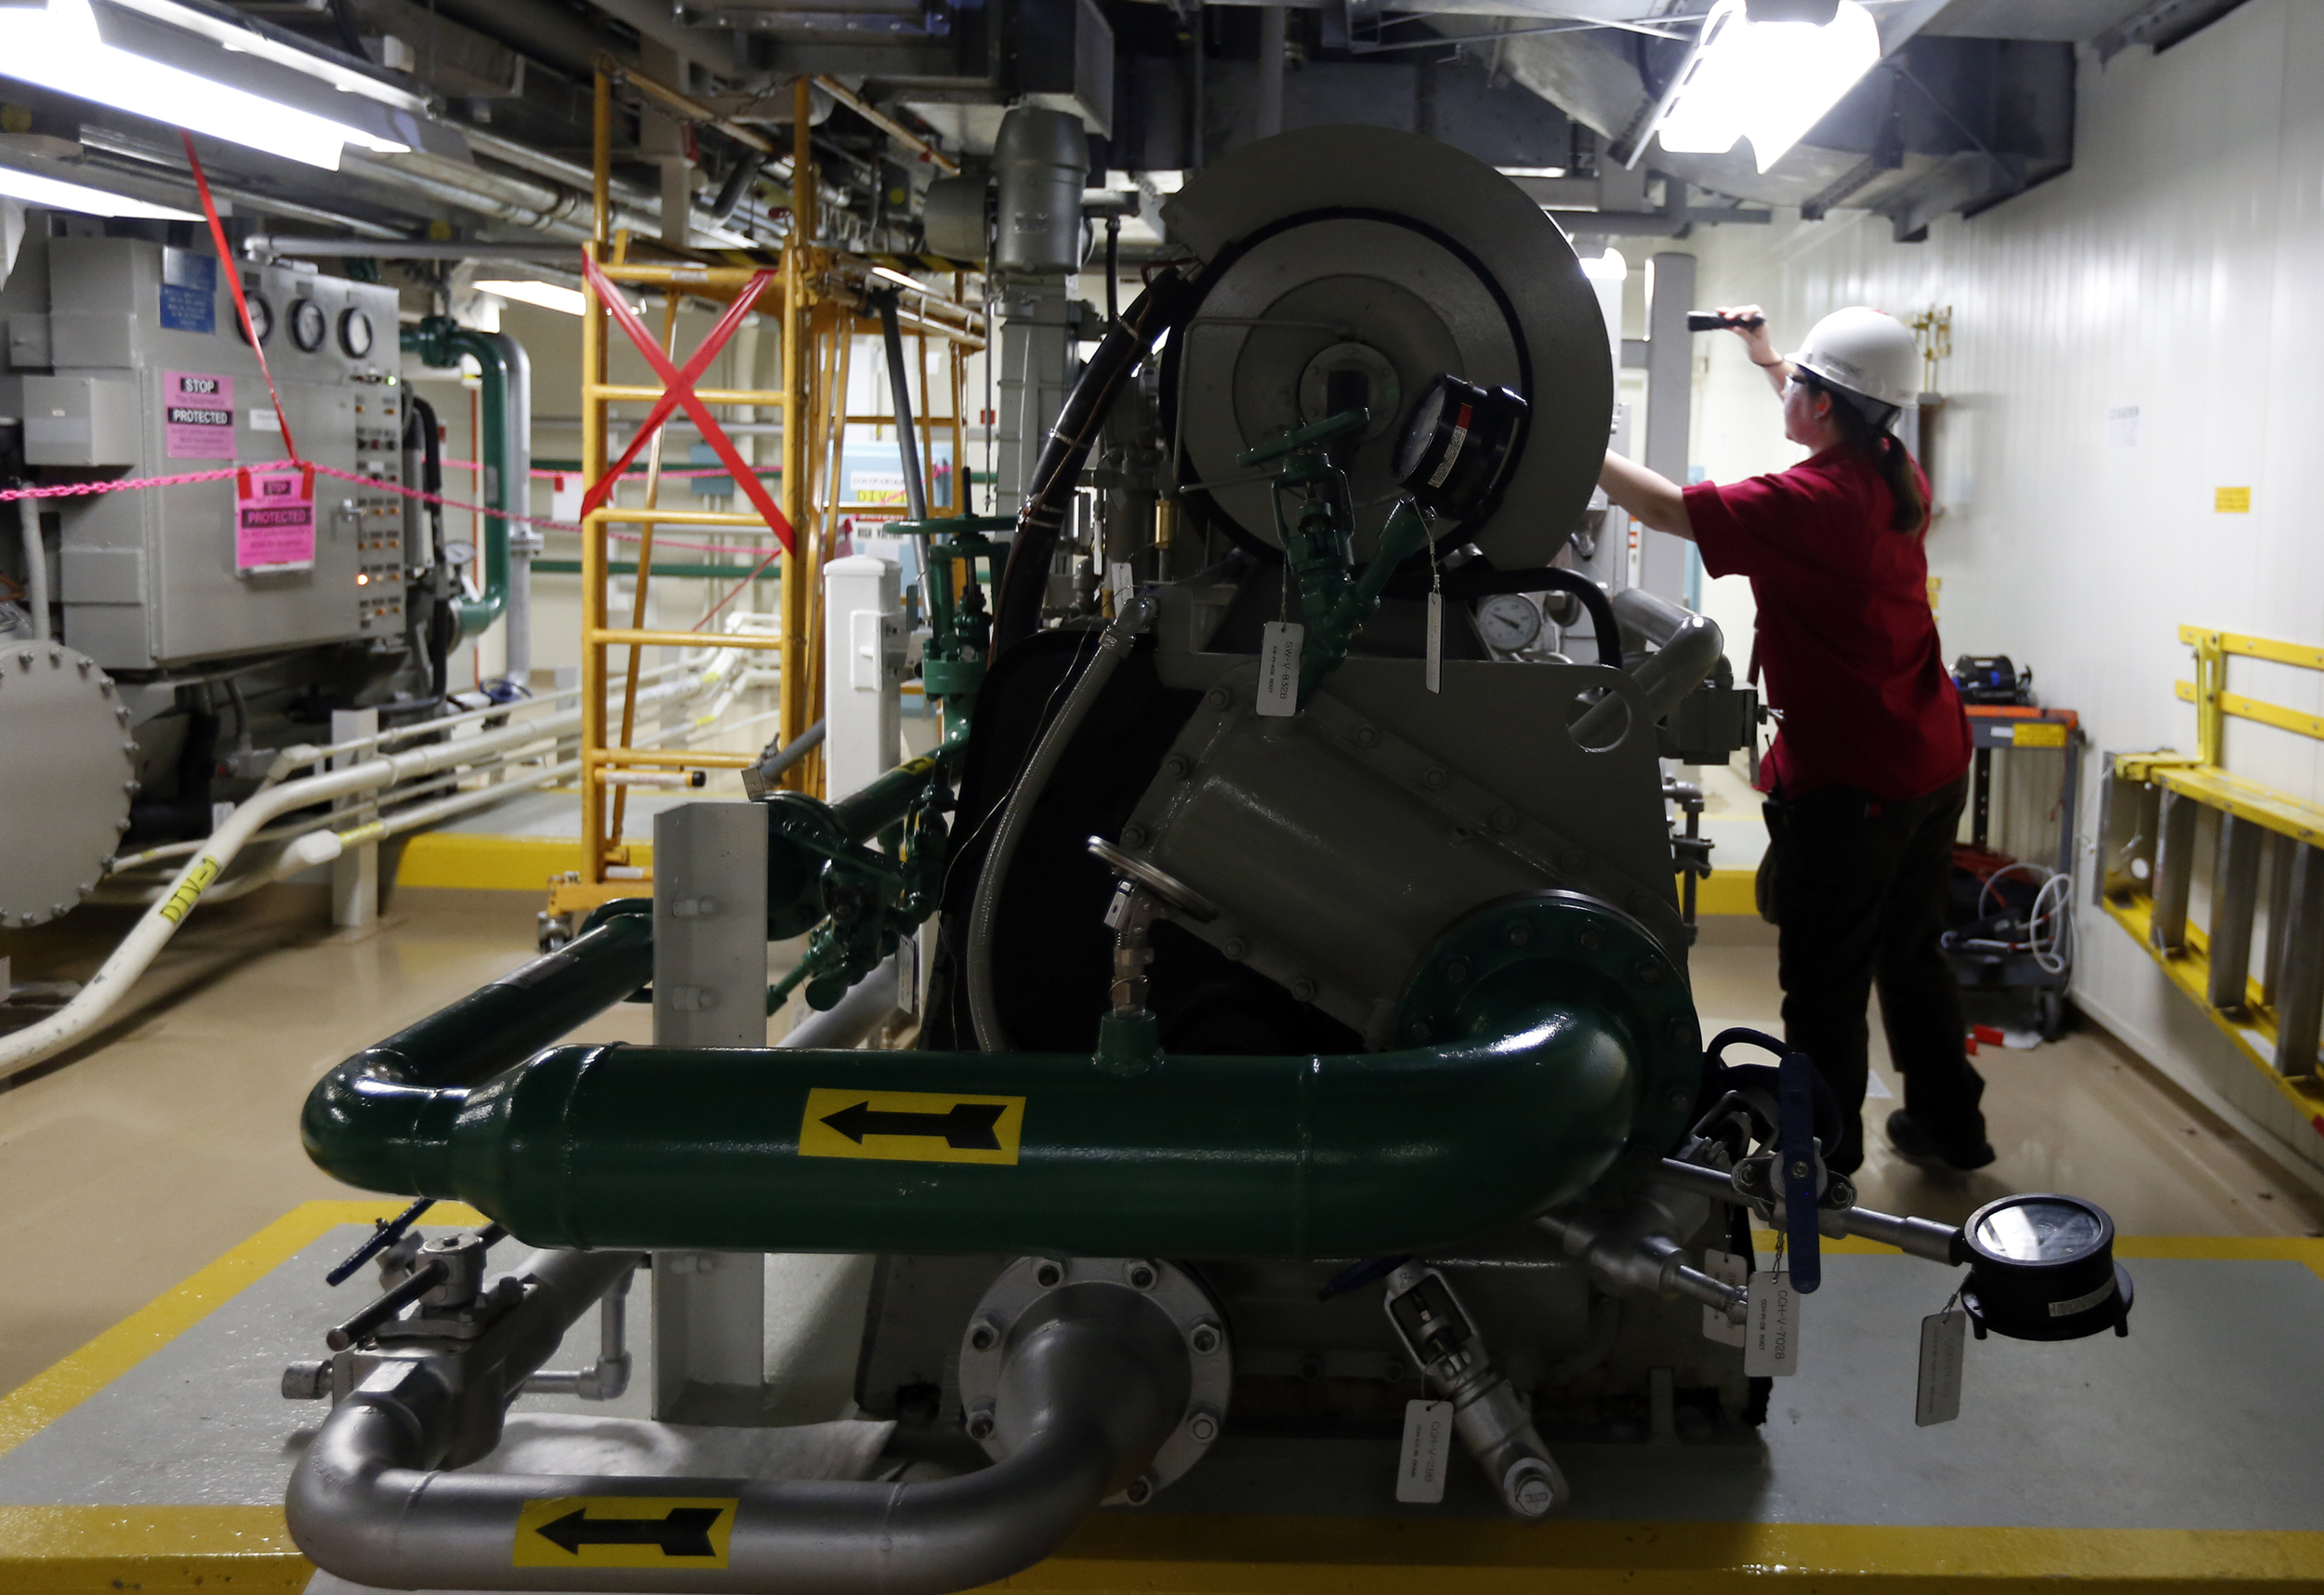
point(170, 642)
point(1308, 1030)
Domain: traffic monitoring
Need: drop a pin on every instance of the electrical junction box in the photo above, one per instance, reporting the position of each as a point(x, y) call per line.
point(147, 373)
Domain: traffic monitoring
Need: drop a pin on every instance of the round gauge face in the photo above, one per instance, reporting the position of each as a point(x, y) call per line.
point(355, 334)
point(307, 324)
point(261, 316)
point(1509, 622)
point(2040, 1230)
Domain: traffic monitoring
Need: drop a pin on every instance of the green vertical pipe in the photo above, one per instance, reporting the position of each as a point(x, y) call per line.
point(439, 342)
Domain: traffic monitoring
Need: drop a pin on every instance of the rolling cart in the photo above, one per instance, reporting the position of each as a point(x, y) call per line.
point(1978, 949)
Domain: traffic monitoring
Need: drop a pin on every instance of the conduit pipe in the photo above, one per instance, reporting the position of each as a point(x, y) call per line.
point(1085, 1400)
point(1688, 647)
point(22, 1049)
point(1023, 797)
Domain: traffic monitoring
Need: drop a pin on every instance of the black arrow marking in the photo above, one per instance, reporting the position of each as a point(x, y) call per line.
point(968, 1128)
point(684, 1531)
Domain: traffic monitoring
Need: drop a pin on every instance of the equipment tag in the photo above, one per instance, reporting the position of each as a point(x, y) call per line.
point(1428, 1433)
point(1943, 1344)
point(1727, 1269)
point(1436, 640)
point(1279, 667)
point(1771, 1344)
point(1122, 582)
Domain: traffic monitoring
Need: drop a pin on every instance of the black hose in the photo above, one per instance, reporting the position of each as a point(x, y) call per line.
point(899, 397)
point(1113, 269)
point(1476, 580)
point(1017, 606)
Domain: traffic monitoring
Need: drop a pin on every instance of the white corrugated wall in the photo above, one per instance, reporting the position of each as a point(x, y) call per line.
point(2177, 270)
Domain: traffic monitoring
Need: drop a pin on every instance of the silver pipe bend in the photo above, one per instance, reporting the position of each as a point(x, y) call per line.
point(1087, 1401)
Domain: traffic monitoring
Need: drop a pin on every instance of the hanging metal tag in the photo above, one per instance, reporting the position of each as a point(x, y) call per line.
point(1121, 580)
point(1279, 667)
point(1771, 1344)
point(1428, 1436)
point(1944, 1348)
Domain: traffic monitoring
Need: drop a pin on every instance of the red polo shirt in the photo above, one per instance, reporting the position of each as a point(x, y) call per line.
point(1846, 638)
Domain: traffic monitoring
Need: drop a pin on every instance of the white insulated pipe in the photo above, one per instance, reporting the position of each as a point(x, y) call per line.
point(69, 1024)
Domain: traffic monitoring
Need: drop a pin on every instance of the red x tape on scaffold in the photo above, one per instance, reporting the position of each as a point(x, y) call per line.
point(678, 391)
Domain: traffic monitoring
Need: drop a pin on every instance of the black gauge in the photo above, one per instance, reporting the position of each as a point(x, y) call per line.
point(1458, 444)
point(308, 324)
point(355, 334)
point(262, 315)
point(2043, 1268)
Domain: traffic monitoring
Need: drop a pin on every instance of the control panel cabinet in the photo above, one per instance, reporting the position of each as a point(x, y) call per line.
point(133, 363)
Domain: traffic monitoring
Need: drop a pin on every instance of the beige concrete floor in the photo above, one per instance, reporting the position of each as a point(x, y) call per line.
point(129, 1163)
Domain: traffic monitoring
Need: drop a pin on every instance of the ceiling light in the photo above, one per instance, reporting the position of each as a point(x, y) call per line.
point(1767, 82)
point(897, 277)
point(33, 189)
point(59, 46)
point(549, 296)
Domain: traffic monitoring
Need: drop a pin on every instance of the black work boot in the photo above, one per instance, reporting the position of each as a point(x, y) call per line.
point(1918, 1146)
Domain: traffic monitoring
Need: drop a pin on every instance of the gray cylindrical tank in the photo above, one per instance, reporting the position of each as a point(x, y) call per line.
point(1042, 162)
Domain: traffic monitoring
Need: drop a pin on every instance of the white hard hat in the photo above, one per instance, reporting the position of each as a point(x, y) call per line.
point(1865, 352)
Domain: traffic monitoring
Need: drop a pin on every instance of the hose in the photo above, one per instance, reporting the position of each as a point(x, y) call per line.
point(1017, 605)
point(984, 911)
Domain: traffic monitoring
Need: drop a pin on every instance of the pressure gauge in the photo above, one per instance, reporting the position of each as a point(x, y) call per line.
point(1508, 622)
point(2043, 1268)
point(308, 324)
point(262, 315)
point(355, 334)
point(1458, 446)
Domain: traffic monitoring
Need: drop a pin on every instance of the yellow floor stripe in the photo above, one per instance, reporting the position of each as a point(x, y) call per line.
point(67, 1549)
point(1726, 891)
point(482, 862)
point(45, 1397)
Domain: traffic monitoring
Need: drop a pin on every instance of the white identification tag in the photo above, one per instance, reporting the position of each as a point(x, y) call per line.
point(1123, 583)
point(1436, 640)
point(1279, 667)
point(1428, 1436)
point(1771, 1342)
point(1727, 1269)
point(1944, 1347)
point(909, 973)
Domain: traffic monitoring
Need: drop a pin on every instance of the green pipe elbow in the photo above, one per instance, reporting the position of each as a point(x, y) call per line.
point(439, 342)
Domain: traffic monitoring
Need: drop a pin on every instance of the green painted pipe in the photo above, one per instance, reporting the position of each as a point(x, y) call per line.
point(747, 1150)
point(439, 341)
point(629, 568)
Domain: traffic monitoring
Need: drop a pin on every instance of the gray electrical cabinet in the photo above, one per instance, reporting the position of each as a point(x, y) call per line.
point(127, 357)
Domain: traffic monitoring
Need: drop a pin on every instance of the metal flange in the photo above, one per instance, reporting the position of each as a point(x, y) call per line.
point(1032, 1290)
point(66, 779)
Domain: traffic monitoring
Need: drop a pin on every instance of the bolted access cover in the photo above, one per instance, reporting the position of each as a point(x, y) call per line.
point(67, 767)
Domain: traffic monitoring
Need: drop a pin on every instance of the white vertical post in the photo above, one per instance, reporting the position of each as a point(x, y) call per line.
point(355, 873)
point(1662, 558)
point(709, 990)
point(863, 673)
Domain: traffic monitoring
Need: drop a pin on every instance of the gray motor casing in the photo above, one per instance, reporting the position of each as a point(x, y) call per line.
point(1363, 237)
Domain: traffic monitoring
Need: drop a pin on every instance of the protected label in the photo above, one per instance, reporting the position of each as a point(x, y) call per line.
point(1428, 1437)
point(1771, 1340)
point(1279, 667)
point(2231, 500)
point(1944, 1347)
point(1727, 1269)
point(2036, 733)
point(197, 414)
point(275, 521)
point(911, 1127)
point(625, 1530)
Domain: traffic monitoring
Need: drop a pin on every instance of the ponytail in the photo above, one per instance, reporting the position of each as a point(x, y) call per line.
point(1865, 425)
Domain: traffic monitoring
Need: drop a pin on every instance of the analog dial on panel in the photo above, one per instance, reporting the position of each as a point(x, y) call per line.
point(355, 334)
point(307, 324)
point(261, 316)
point(1509, 622)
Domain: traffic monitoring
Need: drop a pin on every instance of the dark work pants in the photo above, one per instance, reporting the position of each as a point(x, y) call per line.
point(1859, 889)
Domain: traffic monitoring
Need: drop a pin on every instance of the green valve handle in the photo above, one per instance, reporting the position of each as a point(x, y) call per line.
point(1305, 437)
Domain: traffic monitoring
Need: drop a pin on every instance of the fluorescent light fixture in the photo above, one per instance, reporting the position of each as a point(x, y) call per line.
point(898, 277)
point(55, 194)
point(549, 296)
point(1607, 268)
point(59, 46)
point(1767, 82)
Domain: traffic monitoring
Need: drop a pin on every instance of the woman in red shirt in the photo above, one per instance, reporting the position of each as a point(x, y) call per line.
point(1868, 773)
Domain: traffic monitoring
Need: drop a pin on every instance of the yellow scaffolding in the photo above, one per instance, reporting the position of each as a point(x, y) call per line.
point(819, 304)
